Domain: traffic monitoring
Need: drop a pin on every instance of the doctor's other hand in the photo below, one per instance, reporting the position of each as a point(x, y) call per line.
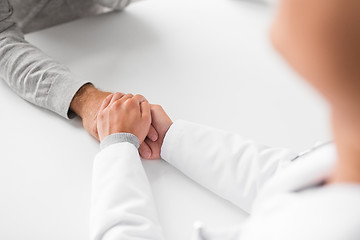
point(161, 122)
point(124, 114)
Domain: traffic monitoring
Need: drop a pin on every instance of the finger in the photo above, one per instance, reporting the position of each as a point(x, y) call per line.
point(153, 134)
point(156, 111)
point(116, 97)
point(106, 102)
point(145, 110)
point(145, 151)
point(140, 98)
point(154, 147)
point(122, 100)
point(126, 97)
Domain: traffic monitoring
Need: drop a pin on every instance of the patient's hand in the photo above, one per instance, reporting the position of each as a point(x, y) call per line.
point(86, 104)
point(124, 114)
point(161, 122)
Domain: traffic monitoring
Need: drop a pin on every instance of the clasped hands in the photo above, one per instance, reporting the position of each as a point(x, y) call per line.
point(121, 113)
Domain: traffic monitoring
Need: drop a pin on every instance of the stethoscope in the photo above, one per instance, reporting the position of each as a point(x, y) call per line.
point(310, 150)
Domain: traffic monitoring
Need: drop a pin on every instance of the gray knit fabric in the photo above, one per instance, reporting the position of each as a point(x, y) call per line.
point(28, 71)
point(119, 138)
point(32, 15)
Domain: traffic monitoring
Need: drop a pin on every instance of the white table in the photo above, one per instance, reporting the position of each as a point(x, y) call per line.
point(207, 61)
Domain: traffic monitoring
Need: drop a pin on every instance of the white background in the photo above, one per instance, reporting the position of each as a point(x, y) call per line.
point(207, 61)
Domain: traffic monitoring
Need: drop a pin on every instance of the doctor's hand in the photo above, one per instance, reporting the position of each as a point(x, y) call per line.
point(161, 122)
point(124, 114)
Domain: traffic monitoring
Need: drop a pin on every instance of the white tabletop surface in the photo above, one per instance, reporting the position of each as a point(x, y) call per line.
point(207, 61)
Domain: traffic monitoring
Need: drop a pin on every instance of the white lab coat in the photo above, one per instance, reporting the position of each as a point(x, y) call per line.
point(281, 191)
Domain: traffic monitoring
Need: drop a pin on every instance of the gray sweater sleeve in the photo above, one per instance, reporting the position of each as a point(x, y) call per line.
point(29, 72)
point(114, 4)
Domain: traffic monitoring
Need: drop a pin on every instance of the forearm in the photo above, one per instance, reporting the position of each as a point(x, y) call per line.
point(34, 76)
point(115, 4)
point(225, 163)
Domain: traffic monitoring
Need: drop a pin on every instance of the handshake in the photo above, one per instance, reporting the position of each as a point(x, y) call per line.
point(121, 113)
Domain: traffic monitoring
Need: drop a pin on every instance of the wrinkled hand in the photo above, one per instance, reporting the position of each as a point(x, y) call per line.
point(151, 149)
point(86, 104)
point(124, 114)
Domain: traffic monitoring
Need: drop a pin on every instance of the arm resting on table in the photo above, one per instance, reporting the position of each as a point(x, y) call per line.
point(29, 72)
point(122, 201)
point(225, 163)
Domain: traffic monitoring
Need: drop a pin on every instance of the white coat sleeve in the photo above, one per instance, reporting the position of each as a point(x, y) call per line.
point(122, 205)
point(225, 163)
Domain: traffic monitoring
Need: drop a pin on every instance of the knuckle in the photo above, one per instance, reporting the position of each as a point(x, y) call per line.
point(117, 94)
point(139, 96)
point(116, 104)
point(107, 98)
point(129, 103)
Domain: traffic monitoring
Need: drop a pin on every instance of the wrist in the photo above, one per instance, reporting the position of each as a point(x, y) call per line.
point(165, 131)
point(87, 101)
point(168, 127)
